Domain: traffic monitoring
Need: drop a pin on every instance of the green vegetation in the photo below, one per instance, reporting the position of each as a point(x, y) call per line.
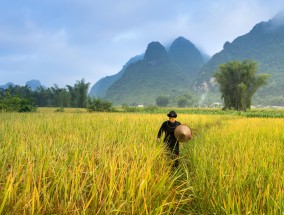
point(10, 103)
point(110, 163)
point(71, 96)
point(162, 101)
point(99, 105)
point(252, 113)
point(238, 83)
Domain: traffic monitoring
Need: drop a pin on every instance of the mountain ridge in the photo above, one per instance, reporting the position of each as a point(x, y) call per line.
point(264, 43)
point(156, 74)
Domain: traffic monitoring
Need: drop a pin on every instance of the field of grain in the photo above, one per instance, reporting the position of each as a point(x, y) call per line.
point(110, 163)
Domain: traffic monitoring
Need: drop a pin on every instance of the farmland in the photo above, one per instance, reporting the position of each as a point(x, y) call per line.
point(77, 162)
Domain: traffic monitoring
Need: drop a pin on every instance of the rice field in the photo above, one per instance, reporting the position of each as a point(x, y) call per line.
point(110, 163)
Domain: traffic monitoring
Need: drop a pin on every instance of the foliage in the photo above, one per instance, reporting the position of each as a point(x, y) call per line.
point(252, 113)
point(99, 105)
point(10, 103)
point(61, 109)
point(238, 83)
point(136, 109)
point(183, 102)
point(79, 94)
point(162, 101)
point(72, 96)
point(127, 108)
point(150, 109)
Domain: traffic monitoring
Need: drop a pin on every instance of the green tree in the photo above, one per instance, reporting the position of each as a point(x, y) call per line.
point(182, 102)
point(79, 94)
point(9, 103)
point(238, 83)
point(162, 101)
point(99, 105)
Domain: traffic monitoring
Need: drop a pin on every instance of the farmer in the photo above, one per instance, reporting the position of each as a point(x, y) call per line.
point(170, 141)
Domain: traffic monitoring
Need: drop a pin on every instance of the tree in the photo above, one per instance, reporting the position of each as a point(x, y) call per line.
point(99, 105)
point(162, 101)
point(79, 94)
point(238, 83)
point(9, 103)
point(183, 102)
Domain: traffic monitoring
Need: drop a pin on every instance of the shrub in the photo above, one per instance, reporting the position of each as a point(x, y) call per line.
point(99, 105)
point(16, 104)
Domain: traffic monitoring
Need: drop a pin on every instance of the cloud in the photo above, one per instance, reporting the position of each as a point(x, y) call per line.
point(64, 41)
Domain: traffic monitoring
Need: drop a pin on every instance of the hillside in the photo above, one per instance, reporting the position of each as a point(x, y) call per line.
point(186, 56)
point(100, 88)
point(263, 44)
point(158, 73)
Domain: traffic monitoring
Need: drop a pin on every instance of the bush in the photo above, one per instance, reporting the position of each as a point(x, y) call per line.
point(162, 101)
point(151, 108)
point(61, 109)
point(133, 109)
point(182, 102)
point(99, 105)
point(16, 104)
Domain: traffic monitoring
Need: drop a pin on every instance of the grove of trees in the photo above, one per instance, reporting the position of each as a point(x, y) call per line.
point(238, 83)
point(23, 99)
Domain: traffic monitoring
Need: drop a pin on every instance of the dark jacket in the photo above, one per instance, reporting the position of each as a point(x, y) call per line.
point(170, 140)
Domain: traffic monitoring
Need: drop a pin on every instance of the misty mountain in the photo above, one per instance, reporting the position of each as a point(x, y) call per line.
point(158, 73)
point(6, 86)
point(101, 86)
point(186, 55)
point(33, 84)
point(263, 44)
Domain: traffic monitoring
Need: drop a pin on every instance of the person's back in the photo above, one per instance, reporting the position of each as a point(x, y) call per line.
point(170, 140)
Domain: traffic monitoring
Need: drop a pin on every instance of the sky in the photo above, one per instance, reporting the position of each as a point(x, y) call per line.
point(64, 41)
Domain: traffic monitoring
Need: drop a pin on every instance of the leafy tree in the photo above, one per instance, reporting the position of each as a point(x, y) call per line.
point(57, 96)
point(75, 96)
point(79, 94)
point(99, 105)
point(41, 97)
point(238, 83)
point(9, 103)
point(162, 101)
point(20, 91)
point(182, 102)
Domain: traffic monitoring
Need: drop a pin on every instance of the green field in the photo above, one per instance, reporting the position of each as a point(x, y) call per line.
point(75, 162)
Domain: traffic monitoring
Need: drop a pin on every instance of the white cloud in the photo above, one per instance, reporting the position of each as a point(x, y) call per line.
point(64, 41)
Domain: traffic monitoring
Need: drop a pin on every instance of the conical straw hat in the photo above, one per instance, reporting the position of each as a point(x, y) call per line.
point(182, 133)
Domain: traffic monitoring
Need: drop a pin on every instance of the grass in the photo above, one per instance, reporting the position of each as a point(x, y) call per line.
point(109, 163)
point(238, 168)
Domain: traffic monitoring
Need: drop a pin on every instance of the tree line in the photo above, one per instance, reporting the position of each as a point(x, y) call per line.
point(238, 82)
point(23, 99)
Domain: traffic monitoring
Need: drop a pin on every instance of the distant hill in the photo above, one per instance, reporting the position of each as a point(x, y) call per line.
point(101, 86)
point(6, 86)
point(263, 44)
point(33, 84)
point(158, 73)
point(186, 56)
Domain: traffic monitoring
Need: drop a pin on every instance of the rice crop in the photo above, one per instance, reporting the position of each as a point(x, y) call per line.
point(238, 168)
point(110, 163)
